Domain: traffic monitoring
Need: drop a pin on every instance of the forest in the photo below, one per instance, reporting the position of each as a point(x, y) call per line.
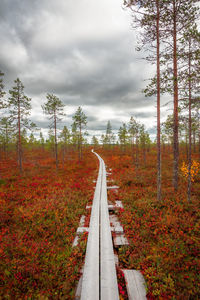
point(46, 182)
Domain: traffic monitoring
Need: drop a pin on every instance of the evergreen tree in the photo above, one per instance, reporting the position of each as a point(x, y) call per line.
point(41, 140)
point(19, 110)
point(6, 130)
point(94, 141)
point(2, 92)
point(123, 136)
point(147, 16)
point(80, 122)
point(65, 137)
point(54, 108)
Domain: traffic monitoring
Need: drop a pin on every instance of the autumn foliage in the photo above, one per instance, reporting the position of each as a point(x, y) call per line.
point(163, 236)
point(40, 212)
point(41, 209)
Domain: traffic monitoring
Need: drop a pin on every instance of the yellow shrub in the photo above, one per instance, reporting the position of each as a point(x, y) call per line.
point(195, 168)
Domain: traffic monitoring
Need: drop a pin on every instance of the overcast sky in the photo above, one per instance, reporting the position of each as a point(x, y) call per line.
point(83, 52)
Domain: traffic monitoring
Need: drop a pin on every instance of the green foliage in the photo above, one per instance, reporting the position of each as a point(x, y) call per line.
point(53, 107)
point(94, 141)
point(65, 136)
point(79, 124)
point(123, 134)
point(2, 92)
point(19, 105)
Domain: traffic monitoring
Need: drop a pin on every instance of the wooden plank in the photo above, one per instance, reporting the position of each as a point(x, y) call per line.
point(78, 289)
point(118, 204)
point(120, 240)
point(82, 230)
point(75, 242)
point(116, 259)
point(135, 285)
point(108, 173)
point(81, 224)
point(82, 221)
point(113, 187)
point(111, 207)
point(115, 224)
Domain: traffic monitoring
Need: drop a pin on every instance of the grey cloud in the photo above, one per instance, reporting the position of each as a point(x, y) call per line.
point(94, 70)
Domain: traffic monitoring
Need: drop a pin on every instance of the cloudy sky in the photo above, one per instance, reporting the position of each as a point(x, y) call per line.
point(83, 52)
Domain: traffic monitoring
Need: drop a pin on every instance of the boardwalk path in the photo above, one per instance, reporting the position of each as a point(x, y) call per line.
point(99, 276)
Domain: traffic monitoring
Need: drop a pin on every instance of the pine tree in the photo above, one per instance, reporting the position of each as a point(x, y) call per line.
point(41, 140)
point(94, 141)
point(54, 108)
point(6, 130)
point(2, 92)
point(80, 122)
point(147, 16)
point(123, 136)
point(65, 137)
point(19, 110)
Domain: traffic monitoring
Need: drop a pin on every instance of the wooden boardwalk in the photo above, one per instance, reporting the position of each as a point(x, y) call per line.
point(99, 275)
point(99, 279)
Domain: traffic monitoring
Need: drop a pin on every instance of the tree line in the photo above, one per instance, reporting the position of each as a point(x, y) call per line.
point(16, 123)
point(168, 32)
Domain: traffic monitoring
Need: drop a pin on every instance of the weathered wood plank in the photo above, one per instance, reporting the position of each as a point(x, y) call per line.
point(135, 285)
point(115, 224)
point(120, 240)
point(82, 230)
point(75, 242)
point(78, 289)
point(112, 187)
point(118, 204)
point(81, 224)
point(82, 221)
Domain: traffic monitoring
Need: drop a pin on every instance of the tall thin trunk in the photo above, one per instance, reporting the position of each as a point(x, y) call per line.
point(190, 131)
point(19, 137)
point(186, 145)
point(133, 149)
point(194, 141)
point(144, 153)
point(137, 154)
point(56, 146)
point(175, 71)
point(6, 142)
point(80, 144)
point(199, 141)
point(158, 104)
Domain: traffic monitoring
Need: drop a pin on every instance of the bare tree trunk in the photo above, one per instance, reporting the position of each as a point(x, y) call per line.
point(199, 141)
point(158, 104)
point(137, 154)
point(194, 141)
point(80, 145)
point(176, 146)
point(19, 149)
point(186, 145)
point(144, 153)
point(133, 149)
point(190, 133)
point(56, 145)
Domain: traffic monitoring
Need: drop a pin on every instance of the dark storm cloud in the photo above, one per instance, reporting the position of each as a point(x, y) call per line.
point(57, 48)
